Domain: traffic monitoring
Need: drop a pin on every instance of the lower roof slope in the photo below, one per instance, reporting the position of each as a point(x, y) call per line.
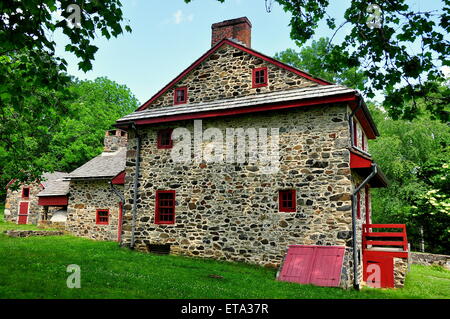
point(106, 165)
point(240, 102)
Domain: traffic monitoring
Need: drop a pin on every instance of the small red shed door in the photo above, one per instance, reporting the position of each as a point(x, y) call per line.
point(23, 213)
point(379, 271)
point(317, 265)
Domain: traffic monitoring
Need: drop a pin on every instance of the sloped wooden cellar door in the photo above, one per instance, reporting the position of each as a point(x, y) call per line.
point(317, 265)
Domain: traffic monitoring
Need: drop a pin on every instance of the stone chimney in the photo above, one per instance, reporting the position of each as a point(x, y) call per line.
point(239, 29)
point(114, 139)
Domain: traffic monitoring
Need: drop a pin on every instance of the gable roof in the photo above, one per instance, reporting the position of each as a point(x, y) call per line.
point(251, 102)
point(46, 179)
point(237, 46)
point(59, 187)
point(105, 166)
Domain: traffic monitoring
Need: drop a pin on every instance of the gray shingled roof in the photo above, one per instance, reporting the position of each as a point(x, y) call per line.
point(104, 166)
point(54, 184)
point(239, 102)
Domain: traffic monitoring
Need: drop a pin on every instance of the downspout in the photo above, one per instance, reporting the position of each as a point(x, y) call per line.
point(135, 186)
point(121, 202)
point(355, 245)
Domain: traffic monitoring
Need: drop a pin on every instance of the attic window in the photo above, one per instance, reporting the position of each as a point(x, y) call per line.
point(259, 77)
point(102, 217)
point(180, 95)
point(287, 201)
point(25, 192)
point(165, 138)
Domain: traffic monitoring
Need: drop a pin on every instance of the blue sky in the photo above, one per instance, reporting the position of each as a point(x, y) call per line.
point(169, 35)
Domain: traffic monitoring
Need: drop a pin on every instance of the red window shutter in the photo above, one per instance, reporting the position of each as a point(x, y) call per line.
point(165, 207)
point(287, 200)
point(165, 139)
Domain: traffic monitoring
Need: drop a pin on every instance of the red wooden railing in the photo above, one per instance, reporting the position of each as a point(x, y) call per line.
point(369, 237)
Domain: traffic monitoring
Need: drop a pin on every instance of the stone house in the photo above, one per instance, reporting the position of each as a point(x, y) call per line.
point(25, 204)
point(96, 192)
point(317, 197)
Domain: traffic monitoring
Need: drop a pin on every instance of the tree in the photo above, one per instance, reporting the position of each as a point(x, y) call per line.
point(415, 156)
point(63, 137)
point(96, 107)
point(312, 59)
point(33, 84)
point(29, 24)
point(399, 49)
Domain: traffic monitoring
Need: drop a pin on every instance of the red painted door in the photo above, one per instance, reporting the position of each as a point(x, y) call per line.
point(317, 265)
point(23, 213)
point(379, 271)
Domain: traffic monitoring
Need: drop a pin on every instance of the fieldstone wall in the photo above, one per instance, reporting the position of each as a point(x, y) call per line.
point(227, 73)
point(114, 140)
point(14, 198)
point(84, 200)
point(400, 271)
point(30, 233)
point(426, 259)
point(230, 211)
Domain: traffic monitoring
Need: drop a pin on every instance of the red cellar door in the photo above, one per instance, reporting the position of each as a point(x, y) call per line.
point(317, 265)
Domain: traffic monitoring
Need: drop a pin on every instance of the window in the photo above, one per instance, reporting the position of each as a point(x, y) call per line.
point(259, 77)
point(165, 138)
point(102, 217)
point(363, 142)
point(25, 192)
point(180, 95)
point(165, 207)
point(287, 201)
point(358, 205)
point(355, 133)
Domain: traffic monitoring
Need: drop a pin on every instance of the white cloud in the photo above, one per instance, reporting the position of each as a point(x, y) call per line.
point(179, 17)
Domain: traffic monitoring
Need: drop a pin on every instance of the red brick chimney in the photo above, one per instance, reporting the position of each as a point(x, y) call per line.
point(237, 29)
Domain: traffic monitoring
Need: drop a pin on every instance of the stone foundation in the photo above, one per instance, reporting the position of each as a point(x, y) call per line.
point(400, 271)
point(30, 233)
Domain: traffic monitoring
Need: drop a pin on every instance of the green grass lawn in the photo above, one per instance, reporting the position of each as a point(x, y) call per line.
point(35, 267)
